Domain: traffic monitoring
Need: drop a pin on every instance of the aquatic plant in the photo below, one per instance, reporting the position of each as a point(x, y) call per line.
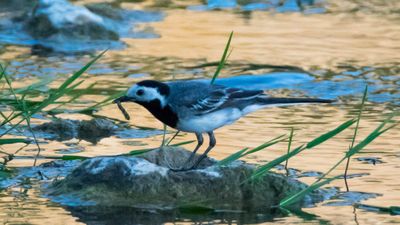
point(21, 106)
point(23, 109)
point(392, 210)
point(382, 128)
point(288, 149)
point(355, 135)
point(224, 58)
point(241, 153)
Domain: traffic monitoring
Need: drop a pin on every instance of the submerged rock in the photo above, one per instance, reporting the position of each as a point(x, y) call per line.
point(145, 181)
point(51, 26)
point(89, 130)
point(130, 215)
point(63, 19)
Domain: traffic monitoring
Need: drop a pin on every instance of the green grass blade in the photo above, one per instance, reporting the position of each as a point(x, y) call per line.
point(13, 126)
point(265, 168)
point(141, 151)
point(53, 97)
point(356, 149)
point(261, 171)
point(393, 210)
point(299, 195)
point(65, 87)
point(244, 152)
point(235, 156)
point(21, 105)
point(77, 74)
point(372, 136)
point(34, 86)
point(6, 141)
point(182, 143)
point(359, 116)
point(4, 174)
point(266, 144)
point(164, 134)
point(103, 103)
point(172, 138)
point(2, 71)
point(73, 98)
point(355, 135)
point(223, 59)
point(15, 104)
point(8, 81)
point(319, 140)
point(288, 149)
point(68, 157)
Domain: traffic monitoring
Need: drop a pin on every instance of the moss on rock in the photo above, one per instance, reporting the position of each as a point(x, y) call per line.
point(146, 181)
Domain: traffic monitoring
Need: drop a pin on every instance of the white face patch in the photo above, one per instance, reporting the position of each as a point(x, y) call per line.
point(146, 94)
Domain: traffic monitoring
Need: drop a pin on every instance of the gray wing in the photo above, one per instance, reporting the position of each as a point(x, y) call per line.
point(197, 97)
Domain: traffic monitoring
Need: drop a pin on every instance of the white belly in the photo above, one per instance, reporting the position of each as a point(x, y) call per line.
point(209, 122)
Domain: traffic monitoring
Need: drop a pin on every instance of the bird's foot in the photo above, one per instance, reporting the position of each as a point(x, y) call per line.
point(182, 169)
point(179, 169)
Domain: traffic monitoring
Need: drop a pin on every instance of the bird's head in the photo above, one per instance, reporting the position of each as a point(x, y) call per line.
point(146, 92)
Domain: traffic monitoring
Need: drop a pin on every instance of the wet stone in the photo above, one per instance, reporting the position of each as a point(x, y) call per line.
point(145, 181)
point(59, 17)
point(370, 160)
point(105, 10)
point(90, 130)
point(53, 27)
point(350, 198)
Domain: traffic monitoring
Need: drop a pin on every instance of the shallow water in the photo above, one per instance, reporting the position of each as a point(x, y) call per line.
point(332, 54)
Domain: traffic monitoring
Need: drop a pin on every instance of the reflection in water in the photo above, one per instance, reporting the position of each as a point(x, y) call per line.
point(329, 55)
point(355, 215)
point(124, 215)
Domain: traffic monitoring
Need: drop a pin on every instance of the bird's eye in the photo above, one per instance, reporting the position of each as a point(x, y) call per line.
point(140, 92)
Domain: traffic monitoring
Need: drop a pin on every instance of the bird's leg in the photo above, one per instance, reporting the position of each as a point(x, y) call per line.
point(204, 155)
point(200, 140)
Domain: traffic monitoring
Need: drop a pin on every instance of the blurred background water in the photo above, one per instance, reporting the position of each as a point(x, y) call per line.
point(314, 48)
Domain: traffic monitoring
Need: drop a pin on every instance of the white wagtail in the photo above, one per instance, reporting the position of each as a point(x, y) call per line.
point(200, 107)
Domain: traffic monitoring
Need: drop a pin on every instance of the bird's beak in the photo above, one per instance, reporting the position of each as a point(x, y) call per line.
point(124, 99)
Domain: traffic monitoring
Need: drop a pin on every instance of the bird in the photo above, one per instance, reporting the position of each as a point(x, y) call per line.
point(199, 107)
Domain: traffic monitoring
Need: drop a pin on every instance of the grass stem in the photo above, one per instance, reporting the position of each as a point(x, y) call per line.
point(355, 135)
point(173, 137)
point(288, 150)
point(223, 60)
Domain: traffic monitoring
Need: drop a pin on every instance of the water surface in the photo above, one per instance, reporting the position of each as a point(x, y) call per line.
point(331, 54)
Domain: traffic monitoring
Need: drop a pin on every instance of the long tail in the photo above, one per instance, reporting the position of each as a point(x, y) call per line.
point(274, 101)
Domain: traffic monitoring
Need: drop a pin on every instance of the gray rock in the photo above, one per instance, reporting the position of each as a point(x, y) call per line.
point(59, 26)
point(16, 5)
point(105, 10)
point(60, 19)
point(145, 181)
point(89, 130)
